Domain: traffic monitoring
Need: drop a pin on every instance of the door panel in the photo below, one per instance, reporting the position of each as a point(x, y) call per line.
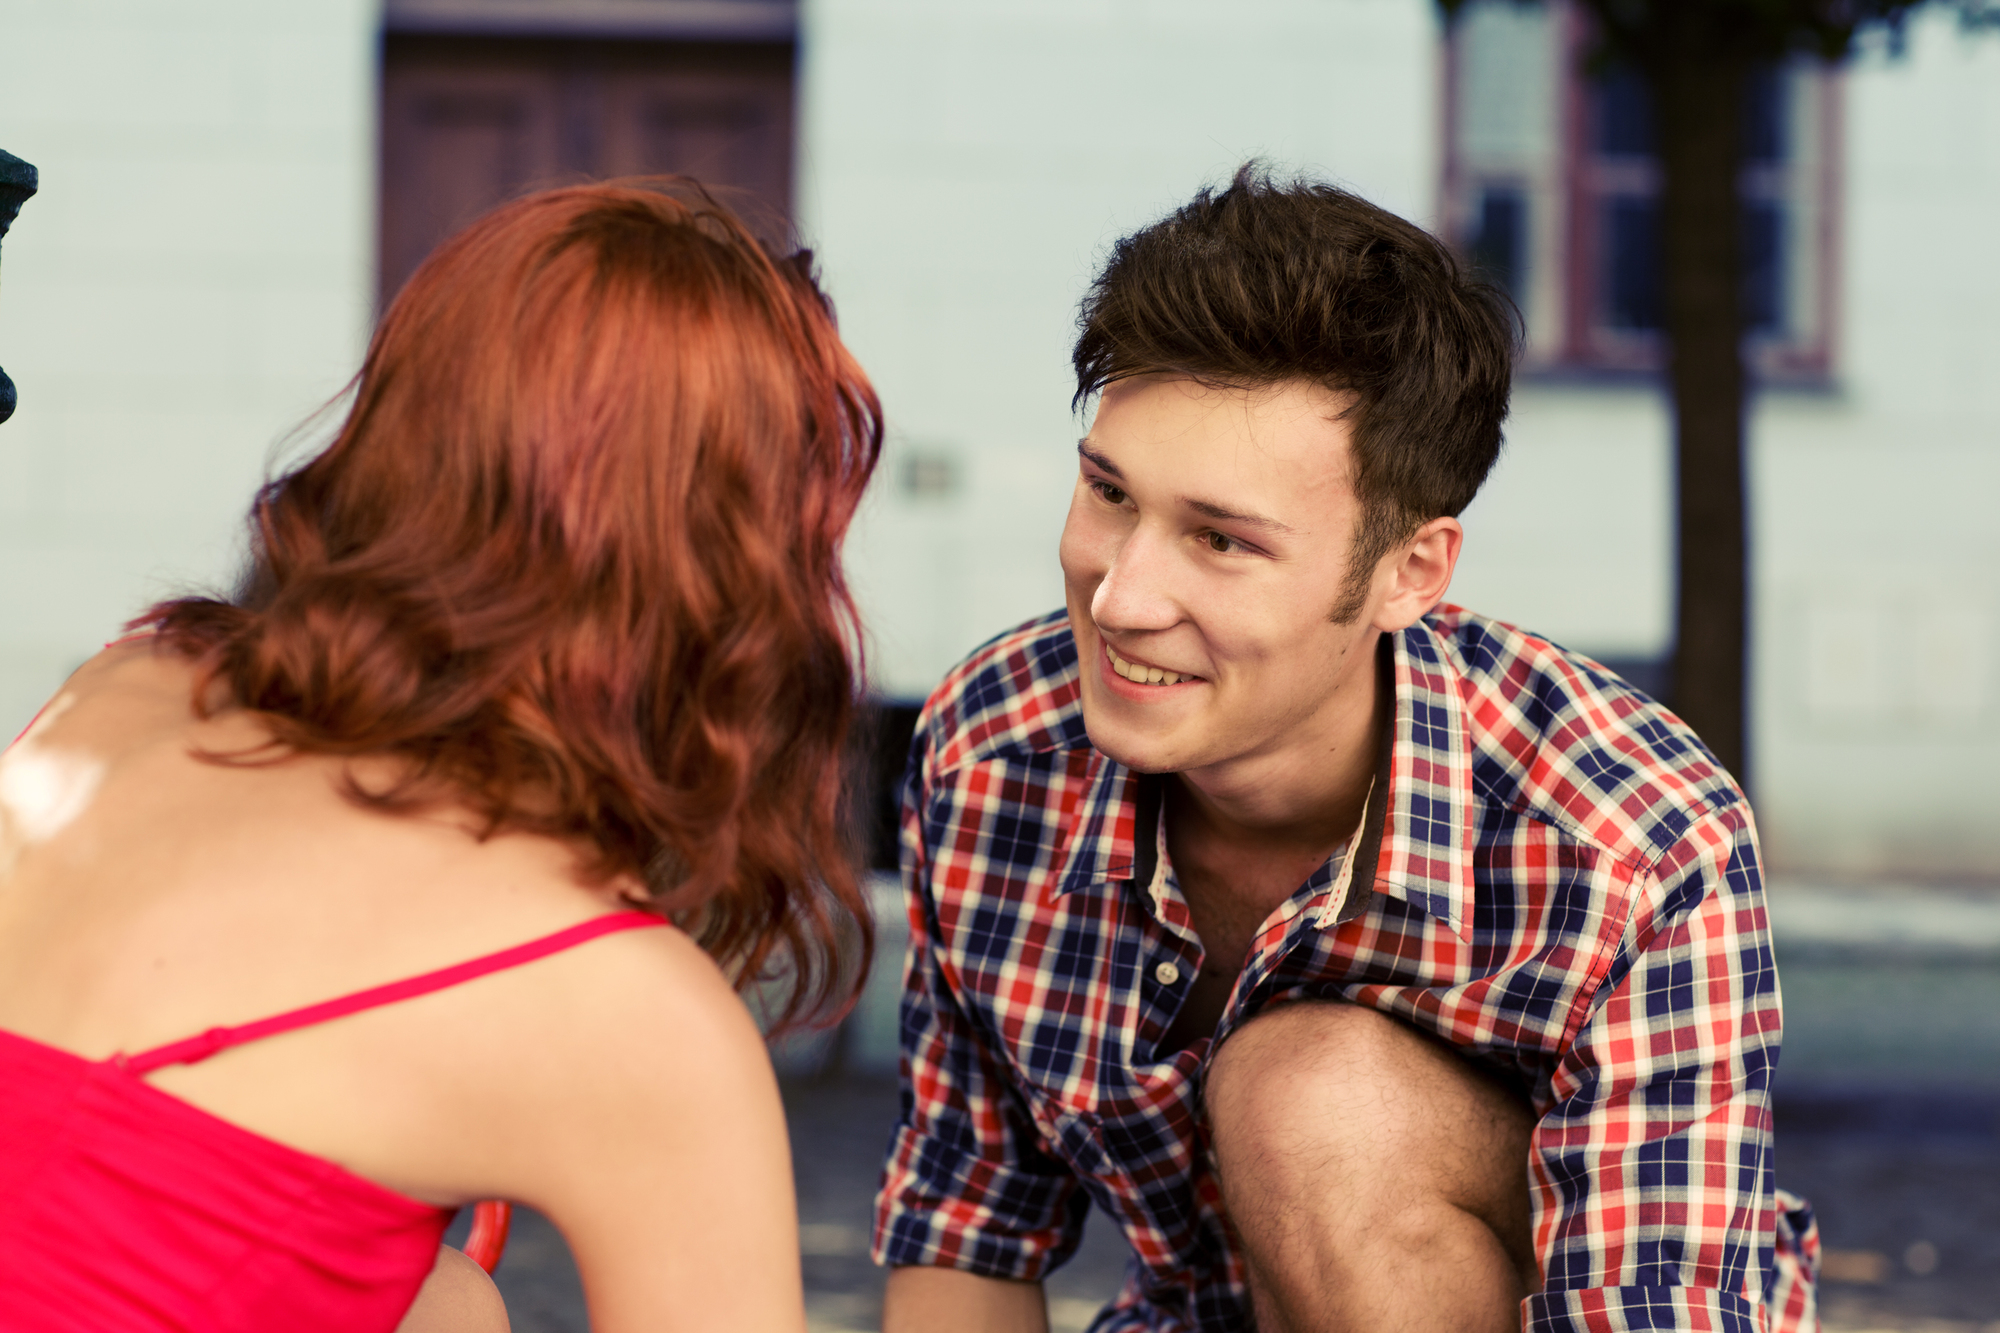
point(470, 122)
point(723, 129)
point(454, 143)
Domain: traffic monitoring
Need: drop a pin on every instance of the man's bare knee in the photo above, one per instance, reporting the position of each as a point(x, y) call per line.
point(1321, 1101)
point(1312, 1072)
point(458, 1297)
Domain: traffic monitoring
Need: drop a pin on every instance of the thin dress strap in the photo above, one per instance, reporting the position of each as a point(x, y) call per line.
point(191, 1050)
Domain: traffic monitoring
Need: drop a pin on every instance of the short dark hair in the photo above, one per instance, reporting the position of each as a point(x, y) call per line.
point(1268, 282)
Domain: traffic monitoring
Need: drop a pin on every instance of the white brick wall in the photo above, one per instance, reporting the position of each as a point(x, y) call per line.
point(194, 278)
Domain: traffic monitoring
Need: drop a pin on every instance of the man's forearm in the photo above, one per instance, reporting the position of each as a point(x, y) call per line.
point(944, 1300)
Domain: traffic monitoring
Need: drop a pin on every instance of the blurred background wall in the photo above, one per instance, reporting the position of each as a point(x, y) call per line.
point(967, 166)
point(228, 188)
point(1877, 548)
point(195, 277)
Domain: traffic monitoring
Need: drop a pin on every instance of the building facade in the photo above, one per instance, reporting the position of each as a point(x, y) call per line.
point(228, 187)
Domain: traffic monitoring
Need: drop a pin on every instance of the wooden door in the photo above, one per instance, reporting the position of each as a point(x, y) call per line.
point(468, 122)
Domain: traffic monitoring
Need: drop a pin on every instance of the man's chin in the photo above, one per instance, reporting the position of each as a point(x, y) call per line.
point(1140, 749)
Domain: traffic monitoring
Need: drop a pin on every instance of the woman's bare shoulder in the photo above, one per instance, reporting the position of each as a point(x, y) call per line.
point(614, 1061)
point(659, 1143)
point(648, 1002)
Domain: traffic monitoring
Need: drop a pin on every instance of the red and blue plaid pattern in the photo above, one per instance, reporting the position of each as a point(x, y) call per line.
point(1567, 889)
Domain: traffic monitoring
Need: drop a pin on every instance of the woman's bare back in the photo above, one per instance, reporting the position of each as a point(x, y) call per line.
point(147, 894)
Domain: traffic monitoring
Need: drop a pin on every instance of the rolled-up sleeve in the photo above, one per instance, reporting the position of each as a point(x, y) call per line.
point(1651, 1175)
point(967, 1184)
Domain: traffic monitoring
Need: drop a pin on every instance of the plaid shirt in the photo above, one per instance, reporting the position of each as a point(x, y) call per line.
point(1562, 883)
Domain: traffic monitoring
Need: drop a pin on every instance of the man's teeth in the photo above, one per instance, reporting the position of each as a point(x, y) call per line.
point(1144, 675)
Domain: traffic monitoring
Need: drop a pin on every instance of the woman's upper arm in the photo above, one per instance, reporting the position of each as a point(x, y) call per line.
point(670, 1174)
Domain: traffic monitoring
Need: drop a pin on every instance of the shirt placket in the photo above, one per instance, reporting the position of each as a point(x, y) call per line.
point(1173, 959)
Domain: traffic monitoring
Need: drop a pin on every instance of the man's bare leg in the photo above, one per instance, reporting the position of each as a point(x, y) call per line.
point(1376, 1180)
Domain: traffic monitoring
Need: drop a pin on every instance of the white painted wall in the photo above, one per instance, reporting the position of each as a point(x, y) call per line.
point(1878, 679)
point(195, 277)
point(964, 168)
point(1572, 535)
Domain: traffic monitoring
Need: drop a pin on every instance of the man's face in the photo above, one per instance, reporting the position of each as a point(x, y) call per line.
point(1208, 539)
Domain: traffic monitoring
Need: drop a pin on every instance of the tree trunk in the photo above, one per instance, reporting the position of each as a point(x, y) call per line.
point(1698, 96)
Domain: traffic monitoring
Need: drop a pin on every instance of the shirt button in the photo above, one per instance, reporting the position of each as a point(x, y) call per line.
point(1167, 973)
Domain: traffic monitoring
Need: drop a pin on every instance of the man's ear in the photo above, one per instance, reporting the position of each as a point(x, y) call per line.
point(1419, 572)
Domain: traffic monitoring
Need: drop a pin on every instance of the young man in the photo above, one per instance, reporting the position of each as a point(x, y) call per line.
point(1376, 965)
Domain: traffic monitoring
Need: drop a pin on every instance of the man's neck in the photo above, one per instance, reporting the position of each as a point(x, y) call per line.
point(1245, 837)
point(1307, 796)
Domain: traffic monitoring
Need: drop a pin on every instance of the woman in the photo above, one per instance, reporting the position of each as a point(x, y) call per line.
point(549, 645)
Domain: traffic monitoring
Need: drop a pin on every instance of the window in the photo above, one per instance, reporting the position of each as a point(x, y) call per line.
point(1552, 189)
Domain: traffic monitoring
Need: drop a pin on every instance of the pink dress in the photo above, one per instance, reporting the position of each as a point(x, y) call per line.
point(125, 1209)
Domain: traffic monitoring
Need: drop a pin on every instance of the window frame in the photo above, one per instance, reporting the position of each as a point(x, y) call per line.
point(1569, 338)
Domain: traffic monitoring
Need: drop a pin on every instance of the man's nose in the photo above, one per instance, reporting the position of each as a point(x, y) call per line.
point(1137, 592)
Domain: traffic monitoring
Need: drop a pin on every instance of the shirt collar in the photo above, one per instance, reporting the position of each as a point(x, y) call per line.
point(1426, 848)
point(1101, 842)
point(1419, 813)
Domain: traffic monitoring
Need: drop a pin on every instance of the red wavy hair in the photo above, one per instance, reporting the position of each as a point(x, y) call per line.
point(574, 555)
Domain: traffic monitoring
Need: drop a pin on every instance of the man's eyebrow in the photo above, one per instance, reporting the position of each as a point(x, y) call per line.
point(1097, 460)
point(1216, 511)
point(1206, 508)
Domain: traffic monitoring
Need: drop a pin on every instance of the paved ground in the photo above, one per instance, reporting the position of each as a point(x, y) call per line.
point(1888, 1120)
point(1908, 1195)
point(1909, 1210)
point(1889, 1098)
point(839, 1128)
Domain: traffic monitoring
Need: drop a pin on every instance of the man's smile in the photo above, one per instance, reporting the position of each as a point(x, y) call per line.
point(1141, 673)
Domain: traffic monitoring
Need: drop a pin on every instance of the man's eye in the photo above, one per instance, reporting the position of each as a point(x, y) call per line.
point(1218, 542)
point(1110, 493)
